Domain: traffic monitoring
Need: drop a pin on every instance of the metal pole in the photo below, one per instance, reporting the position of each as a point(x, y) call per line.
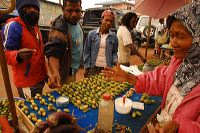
point(6, 75)
point(148, 36)
point(8, 86)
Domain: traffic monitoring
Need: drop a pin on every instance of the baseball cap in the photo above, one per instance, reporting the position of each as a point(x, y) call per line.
point(108, 13)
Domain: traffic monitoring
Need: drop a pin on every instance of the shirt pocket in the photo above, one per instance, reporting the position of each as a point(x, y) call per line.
point(111, 44)
point(95, 42)
point(79, 40)
point(94, 39)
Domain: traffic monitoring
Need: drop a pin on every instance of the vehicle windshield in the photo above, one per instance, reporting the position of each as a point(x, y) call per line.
point(144, 22)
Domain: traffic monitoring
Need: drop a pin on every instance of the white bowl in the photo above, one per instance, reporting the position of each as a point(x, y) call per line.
point(62, 101)
point(123, 109)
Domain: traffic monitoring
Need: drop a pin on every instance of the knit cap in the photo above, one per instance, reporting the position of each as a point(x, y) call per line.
point(22, 3)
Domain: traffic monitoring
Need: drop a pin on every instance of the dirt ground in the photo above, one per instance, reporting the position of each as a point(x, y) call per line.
point(134, 61)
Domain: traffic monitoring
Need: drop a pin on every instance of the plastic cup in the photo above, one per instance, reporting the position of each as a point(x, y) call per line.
point(123, 108)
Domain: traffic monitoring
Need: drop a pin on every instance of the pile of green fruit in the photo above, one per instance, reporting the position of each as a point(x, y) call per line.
point(152, 64)
point(136, 113)
point(37, 107)
point(5, 109)
point(87, 93)
point(146, 99)
point(84, 95)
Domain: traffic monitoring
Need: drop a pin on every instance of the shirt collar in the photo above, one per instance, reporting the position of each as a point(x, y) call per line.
point(109, 33)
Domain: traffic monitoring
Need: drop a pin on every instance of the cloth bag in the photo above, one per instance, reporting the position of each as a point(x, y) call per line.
point(164, 38)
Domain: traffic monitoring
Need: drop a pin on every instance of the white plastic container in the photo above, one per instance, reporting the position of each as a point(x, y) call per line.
point(123, 109)
point(106, 114)
point(62, 101)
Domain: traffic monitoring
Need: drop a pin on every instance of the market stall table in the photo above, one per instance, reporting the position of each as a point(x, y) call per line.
point(89, 119)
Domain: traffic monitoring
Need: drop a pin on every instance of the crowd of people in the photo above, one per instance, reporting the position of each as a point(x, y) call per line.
point(57, 62)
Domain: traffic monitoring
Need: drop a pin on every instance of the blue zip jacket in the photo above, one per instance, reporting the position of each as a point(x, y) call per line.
point(91, 48)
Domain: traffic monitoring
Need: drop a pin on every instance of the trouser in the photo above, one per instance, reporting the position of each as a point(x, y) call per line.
point(70, 78)
point(36, 89)
point(93, 71)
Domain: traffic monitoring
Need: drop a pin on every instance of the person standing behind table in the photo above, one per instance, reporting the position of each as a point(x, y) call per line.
point(101, 46)
point(65, 46)
point(158, 33)
point(179, 82)
point(126, 45)
point(24, 48)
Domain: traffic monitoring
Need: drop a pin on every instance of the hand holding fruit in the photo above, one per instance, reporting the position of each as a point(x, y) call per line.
point(54, 81)
point(167, 127)
point(57, 123)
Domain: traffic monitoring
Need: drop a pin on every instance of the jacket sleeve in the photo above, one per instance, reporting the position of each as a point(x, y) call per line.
point(115, 50)
point(152, 82)
point(188, 113)
point(11, 36)
point(56, 44)
point(189, 126)
point(87, 51)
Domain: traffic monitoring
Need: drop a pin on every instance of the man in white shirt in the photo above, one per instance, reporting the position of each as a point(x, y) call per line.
point(126, 45)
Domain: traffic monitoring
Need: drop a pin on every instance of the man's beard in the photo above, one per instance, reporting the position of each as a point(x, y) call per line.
point(30, 19)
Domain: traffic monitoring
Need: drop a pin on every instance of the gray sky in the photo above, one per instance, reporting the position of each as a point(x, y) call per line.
point(85, 3)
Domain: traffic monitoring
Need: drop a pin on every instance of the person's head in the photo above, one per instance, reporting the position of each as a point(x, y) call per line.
point(180, 38)
point(129, 20)
point(29, 11)
point(107, 20)
point(72, 11)
point(161, 20)
point(185, 40)
point(184, 34)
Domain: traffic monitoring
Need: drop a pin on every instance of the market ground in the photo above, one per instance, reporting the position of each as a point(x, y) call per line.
point(134, 61)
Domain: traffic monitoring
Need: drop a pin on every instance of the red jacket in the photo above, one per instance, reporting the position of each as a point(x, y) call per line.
point(159, 81)
point(31, 40)
point(6, 128)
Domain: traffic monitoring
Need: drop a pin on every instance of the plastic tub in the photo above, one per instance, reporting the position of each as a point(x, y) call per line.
point(62, 101)
point(123, 109)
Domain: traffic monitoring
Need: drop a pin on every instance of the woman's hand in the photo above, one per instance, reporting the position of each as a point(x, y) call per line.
point(167, 127)
point(117, 74)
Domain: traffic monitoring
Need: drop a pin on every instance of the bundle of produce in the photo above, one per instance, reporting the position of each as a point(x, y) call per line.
point(87, 93)
point(5, 109)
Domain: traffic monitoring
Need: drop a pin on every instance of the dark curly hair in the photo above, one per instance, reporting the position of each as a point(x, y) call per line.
point(127, 18)
point(72, 1)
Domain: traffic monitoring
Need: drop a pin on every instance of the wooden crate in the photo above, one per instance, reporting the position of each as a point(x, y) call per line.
point(24, 118)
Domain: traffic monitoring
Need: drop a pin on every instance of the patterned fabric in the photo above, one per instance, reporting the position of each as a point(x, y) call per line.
point(188, 74)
